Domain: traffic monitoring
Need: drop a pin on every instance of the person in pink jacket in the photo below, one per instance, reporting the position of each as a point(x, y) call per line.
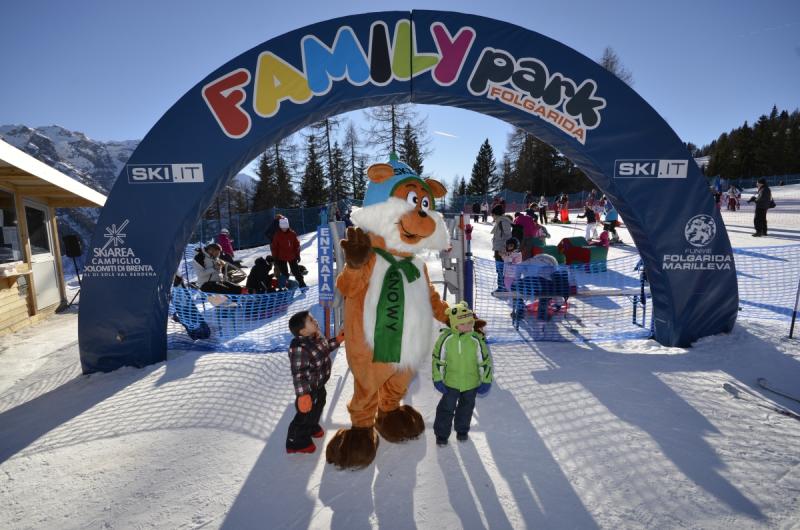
point(225, 242)
point(530, 230)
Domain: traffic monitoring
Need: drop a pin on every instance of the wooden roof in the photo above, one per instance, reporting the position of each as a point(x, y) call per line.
point(29, 177)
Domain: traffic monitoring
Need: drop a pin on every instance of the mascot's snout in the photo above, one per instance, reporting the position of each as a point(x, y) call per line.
point(399, 206)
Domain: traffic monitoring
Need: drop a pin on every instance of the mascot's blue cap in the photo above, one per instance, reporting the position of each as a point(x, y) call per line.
point(378, 192)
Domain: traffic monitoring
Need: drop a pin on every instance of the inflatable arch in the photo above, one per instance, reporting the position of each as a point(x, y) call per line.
point(430, 57)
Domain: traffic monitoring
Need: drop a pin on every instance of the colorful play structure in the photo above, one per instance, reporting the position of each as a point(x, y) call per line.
point(426, 57)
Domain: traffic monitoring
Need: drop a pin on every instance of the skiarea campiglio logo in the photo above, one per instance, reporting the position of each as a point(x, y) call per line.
point(700, 230)
point(115, 235)
point(114, 258)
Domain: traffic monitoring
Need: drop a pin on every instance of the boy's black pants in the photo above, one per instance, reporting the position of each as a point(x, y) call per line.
point(454, 407)
point(305, 424)
point(284, 266)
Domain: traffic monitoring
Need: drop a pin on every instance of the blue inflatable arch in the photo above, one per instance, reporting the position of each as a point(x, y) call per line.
point(430, 57)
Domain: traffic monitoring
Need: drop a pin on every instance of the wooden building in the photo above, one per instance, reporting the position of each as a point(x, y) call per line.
point(31, 276)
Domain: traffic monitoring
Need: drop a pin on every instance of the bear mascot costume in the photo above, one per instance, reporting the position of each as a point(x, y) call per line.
point(389, 307)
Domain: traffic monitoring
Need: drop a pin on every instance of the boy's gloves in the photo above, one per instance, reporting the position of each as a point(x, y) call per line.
point(439, 385)
point(304, 403)
point(484, 388)
point(340, 337)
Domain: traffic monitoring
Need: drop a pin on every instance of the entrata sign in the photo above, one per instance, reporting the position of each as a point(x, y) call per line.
point(325, 263)
point(526, 83)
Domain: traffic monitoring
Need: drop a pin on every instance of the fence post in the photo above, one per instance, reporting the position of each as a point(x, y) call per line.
point(466, 230)
point(794, 312)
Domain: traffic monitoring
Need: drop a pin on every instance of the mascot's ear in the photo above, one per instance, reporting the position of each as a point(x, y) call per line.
point(437, 188)
point(380, 172)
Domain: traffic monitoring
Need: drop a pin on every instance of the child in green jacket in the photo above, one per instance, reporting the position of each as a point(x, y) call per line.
point(462, 368)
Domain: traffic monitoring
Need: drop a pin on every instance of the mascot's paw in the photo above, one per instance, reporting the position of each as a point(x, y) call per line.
point(403, 423)
point(352, 448)
point(357, 248)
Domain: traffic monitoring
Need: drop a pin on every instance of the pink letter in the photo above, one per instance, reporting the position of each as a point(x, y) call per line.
point(453, 52)
point(224, 97)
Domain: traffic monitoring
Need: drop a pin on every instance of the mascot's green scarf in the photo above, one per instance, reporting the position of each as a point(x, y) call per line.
point(391, 308)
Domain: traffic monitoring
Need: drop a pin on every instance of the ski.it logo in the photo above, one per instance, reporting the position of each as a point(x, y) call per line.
point(165, 173)
point(651, 168)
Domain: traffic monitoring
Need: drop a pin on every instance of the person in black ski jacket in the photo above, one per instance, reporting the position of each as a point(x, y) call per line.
point(259, 280)
point(763, 200)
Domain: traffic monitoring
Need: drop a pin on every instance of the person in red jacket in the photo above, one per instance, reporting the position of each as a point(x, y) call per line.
point(286, 251)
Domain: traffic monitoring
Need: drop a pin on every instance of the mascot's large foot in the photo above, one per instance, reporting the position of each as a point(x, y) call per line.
point(353, 448)
point(403, 423)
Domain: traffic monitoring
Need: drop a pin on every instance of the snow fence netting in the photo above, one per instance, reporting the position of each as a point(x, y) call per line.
point(604, 301)
point(593, 301)
point(768, 281)
point(256, 323)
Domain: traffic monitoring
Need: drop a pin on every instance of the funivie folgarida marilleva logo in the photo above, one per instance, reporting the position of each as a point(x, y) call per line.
point(699, 231)
point(115, 258)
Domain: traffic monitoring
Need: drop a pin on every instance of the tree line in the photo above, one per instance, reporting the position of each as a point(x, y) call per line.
point(771, 146)
point(329, 160)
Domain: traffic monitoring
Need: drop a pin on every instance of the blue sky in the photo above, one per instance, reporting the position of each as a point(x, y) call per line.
point(111, 69)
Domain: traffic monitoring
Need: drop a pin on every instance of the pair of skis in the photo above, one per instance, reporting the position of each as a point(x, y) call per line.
point(745, 394)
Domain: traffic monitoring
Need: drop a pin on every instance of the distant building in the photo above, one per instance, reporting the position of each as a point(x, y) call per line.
point(702, 162)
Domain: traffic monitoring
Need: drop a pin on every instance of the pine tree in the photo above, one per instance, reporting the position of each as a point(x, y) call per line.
point(458, 195)
point(360, 179)
point(324, 132)
point(264, 197)
point(484, 179)
point(313, 190)
point(285, 196)
point(350, 149)
point(339, 188)
point(462, 187)
point(409, 150)
point(506, 173)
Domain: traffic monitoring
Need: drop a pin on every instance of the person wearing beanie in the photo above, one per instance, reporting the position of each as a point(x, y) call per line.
point(226, 243)
point(763, 200)
point(462, 369)
point(286, 251)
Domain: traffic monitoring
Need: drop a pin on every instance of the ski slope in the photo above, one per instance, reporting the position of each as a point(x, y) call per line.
point(625, 434)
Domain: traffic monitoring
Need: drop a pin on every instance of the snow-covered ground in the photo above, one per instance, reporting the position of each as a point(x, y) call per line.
point(625, 434)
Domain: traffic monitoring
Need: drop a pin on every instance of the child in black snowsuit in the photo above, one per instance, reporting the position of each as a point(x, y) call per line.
point(259, 280)
point(309, 356)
